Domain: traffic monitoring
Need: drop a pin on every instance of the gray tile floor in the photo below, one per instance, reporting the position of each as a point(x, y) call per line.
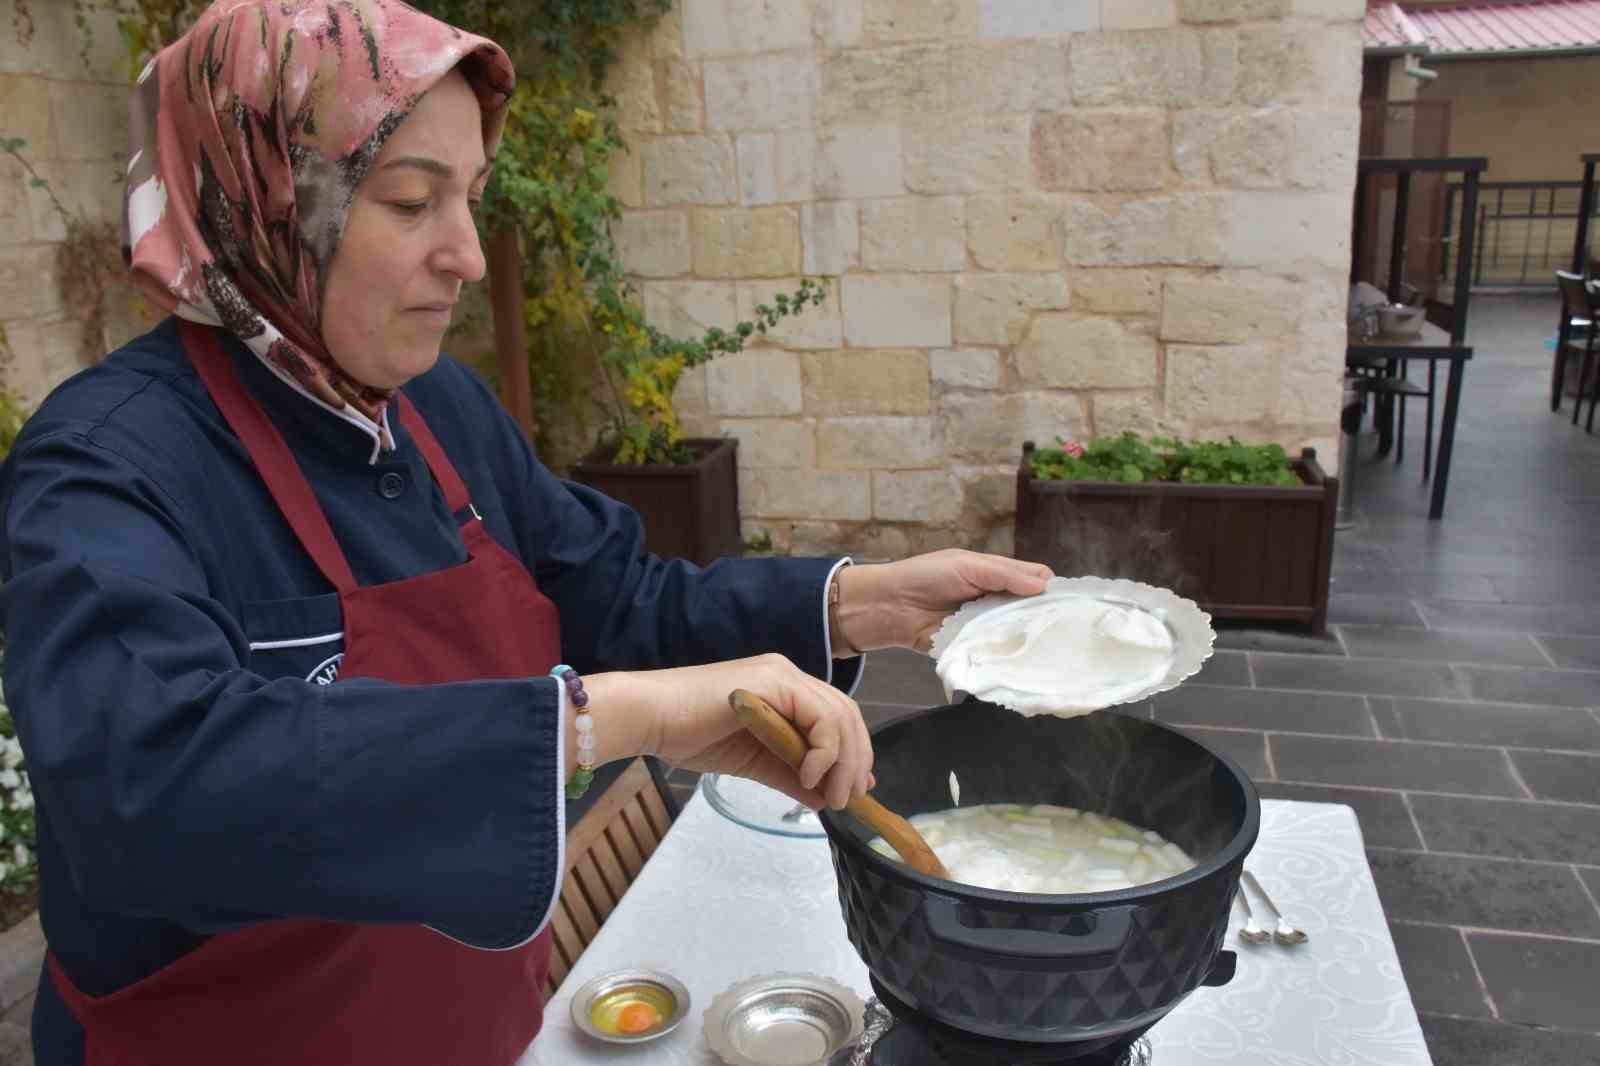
point(1455, 705)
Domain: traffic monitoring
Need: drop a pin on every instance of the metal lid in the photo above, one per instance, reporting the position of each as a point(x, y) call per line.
point(661, 990)
point(782, 1019)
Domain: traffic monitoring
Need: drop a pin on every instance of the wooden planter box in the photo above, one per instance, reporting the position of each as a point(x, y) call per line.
point(689, 512)
point(1241, 551)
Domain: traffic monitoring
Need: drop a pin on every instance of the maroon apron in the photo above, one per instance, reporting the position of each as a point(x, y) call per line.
point(311, 993)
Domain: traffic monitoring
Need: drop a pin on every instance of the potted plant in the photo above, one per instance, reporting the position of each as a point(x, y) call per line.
point(686, 490)
point(1242, 529)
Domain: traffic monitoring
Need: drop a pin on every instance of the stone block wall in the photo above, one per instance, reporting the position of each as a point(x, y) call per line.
point(1039, 218)
point(68, 98)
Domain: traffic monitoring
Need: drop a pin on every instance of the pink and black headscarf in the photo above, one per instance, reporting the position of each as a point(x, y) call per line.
point(250, 135)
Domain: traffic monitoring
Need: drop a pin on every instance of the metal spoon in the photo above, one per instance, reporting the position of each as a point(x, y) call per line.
point(1252, 933)
point(1284, 933)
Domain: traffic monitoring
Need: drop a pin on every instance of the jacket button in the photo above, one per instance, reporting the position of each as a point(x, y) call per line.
point(391, 485)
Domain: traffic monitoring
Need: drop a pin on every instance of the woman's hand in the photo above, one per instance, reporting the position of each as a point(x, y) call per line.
point(902, 604)
point(682, 716)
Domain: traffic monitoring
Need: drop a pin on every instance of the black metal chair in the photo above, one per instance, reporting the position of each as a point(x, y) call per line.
point(1576, 336)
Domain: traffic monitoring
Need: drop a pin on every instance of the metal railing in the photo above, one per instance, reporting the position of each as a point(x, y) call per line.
point(1526, 230)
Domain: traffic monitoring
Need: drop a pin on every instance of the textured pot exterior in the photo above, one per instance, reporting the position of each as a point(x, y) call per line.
point(1048, 969)
point(1252, 552)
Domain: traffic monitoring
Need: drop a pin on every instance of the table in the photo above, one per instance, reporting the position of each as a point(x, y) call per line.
point(718, 903)
point(1432, 345)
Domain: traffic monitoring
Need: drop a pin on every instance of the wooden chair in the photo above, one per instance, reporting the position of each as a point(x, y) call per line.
point(1574, 337)
point(606, 848)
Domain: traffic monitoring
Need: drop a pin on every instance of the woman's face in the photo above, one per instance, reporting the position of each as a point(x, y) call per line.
point(409, 242)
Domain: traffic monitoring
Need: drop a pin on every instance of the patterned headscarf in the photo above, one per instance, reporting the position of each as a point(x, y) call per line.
point(250, 135)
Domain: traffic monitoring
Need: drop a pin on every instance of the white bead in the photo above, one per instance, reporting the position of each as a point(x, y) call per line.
point(585, 724)
point(586, 743)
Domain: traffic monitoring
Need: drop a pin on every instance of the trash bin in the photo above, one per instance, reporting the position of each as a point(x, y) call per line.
point(1349, 431)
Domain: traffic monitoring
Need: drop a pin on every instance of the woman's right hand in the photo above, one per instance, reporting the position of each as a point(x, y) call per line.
point(682, 715)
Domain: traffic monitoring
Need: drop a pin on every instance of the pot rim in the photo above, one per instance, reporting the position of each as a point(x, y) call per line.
point(1233, 852)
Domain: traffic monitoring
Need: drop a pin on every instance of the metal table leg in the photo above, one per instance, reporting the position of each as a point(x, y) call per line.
point(1447, 437)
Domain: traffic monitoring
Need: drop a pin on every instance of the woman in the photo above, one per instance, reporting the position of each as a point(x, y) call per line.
point(284, 590)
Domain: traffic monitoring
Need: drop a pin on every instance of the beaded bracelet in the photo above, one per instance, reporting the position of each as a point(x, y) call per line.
point(581, 778)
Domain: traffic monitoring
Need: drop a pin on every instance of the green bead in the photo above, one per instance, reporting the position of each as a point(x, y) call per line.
point(579, 784)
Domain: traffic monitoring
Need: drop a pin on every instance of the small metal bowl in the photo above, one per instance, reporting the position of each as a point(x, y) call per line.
point(782, 1019)
point(663, 991)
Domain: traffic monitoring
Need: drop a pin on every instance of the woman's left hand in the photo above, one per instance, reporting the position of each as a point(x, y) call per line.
point(902, 604)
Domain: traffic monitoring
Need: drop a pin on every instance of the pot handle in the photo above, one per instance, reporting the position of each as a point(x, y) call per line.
point(1222, 969)
point(943, 915)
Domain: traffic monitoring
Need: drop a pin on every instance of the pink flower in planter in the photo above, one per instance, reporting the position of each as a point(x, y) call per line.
point(1071, 447)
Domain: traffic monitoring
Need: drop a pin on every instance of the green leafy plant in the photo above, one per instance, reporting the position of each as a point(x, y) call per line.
point(1129, 458)
point(11, 417)
point(19, 866)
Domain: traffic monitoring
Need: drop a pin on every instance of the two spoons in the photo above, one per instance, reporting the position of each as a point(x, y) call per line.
point(1252, 933)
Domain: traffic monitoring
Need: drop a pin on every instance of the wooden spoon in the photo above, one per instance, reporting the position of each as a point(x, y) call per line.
point(780, 737)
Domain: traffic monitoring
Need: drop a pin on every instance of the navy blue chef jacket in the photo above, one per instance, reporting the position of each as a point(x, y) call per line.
point(168, 643)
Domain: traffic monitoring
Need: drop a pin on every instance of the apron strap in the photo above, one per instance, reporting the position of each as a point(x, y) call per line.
point(444, 472)
point(273, 460)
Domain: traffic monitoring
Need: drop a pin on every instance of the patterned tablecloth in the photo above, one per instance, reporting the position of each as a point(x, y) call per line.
point(718, 903)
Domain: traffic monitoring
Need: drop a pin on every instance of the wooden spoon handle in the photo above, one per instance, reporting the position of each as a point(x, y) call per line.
point(780, 737)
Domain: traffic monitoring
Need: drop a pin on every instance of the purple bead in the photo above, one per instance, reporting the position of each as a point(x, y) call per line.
point(580, 698)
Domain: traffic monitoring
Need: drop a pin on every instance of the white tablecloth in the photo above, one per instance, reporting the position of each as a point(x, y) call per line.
point(718, 903)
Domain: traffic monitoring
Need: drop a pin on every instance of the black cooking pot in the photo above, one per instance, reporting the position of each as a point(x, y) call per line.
point(1087, 969)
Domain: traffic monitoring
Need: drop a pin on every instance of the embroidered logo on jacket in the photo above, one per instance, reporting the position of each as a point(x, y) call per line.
point(327, 671)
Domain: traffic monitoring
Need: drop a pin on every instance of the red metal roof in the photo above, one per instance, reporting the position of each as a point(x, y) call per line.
point(1485, 27)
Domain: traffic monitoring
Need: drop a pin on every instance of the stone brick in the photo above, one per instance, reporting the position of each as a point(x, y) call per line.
point(1309, 397)
point(689, 170)
point(1232, 10)
point(1000, 540)
point(1117, 292)
point(1018, 231)
point(690, 398)
point(26, 104)
point(816, 326)
point(1037, 18)
point(1154, 68)
point(682, 308)
point(1289, 62)
point(1250, 150)
point(974, 154)
point(988, 493)
point(1186, 229)
point(776, 167)
point(654, 244)
point(1064, 352)
point(1330, 9)
point(16, 221)
point(867, 382)
point(683, 97)
point(632, 80)
point(1325, 147)
point(765, 92)
point(1101, 151)
point(929, 496)
point(990, 427)
point(1286, 232)
point(913, 233)
point(878, 442)
point(746, 242)
point(857, 161)
point(666, 38)
point(995, 308)
point(896, 310)
point(773, 442)
point(30, 279)
point(1138, 14)
point(49, 352)
point(56, 49)
point(744, 27)
point(875, 85)
point(1118, 412)
point(1008, 77)
point(900, 21)
point(1223, 384)
point(757, 381)
point(810, 494)
point(830, 237)
point(1228, 308)
point(841, 23)
point(966, 368)
point(625, 176)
